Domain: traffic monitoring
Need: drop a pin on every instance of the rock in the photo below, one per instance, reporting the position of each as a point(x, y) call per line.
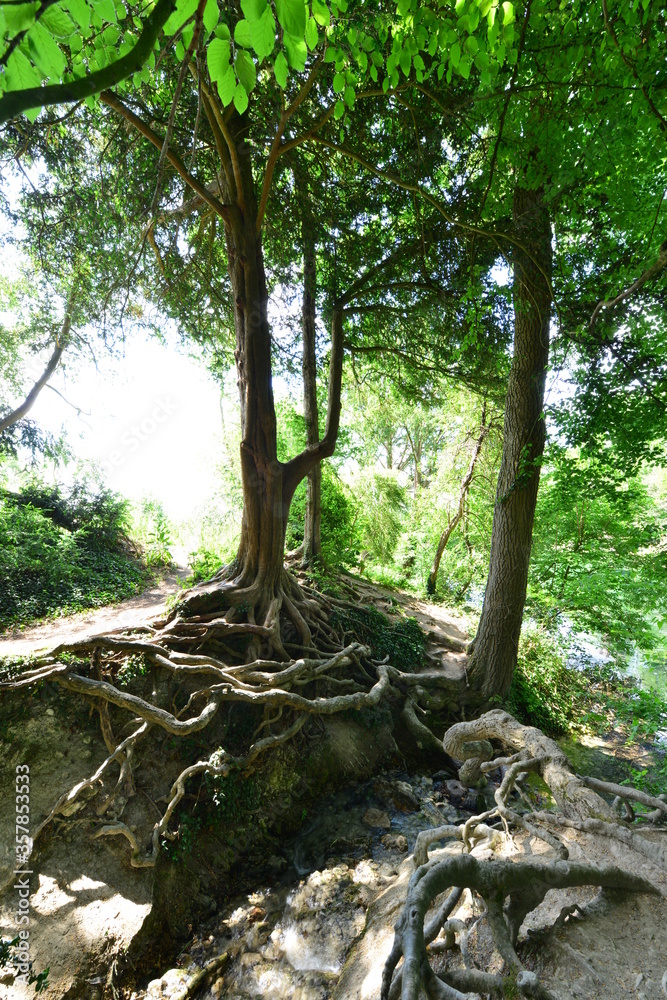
point(455, 789)
point(376, 818)
point(395, 842)
point(50, 711)
point(250, 958)
point(256, 913)
point(399, 793)
point(217, 987)
point(171, 983)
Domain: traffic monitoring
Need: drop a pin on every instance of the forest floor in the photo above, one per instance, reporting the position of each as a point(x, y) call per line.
point(134, 611)
point(89, 903)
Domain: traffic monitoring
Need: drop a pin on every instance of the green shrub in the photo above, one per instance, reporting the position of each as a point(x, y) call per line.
point(403, 642)
point(340, 536)
point(63, 551)
point(544, 692)
point(153, 530)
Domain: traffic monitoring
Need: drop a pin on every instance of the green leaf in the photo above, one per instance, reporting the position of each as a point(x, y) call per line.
point(80, 11)
point(339, 109)
point(240, 99)
point(184, 11)
point(297, 53)
point(311, 33)
point(405, 61)
point(455, 54)
point(348, 96)
point(280, 70)
point(107, 9)
point(508, 12)
point(45, 52)
point(321, 13)
point(217, 58)
point(20, 73)
point(464, 67)
point(292, 16)
point(243, 34)
point(111, 34)
point(253, 10)
point(222, 31)
point(263, 34)
point(227, 85)
point(338, 83)
point(246, 73)
point(57, 22)
point(20, 17)
point(211, 15)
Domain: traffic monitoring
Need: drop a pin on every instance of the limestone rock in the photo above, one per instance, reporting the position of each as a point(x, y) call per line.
point(376, 818)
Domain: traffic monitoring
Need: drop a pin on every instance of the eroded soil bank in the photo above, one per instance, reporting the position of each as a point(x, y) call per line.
point(295, 873)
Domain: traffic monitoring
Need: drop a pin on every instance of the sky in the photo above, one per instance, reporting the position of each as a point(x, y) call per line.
point(150, 420)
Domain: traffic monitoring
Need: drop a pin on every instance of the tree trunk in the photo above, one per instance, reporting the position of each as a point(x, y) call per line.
point(312, 540)
point(494, 650)
point(463, 496)
point(265, 507)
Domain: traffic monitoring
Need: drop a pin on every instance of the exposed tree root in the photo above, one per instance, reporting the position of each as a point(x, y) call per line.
point(225, 643)
point(508, 889)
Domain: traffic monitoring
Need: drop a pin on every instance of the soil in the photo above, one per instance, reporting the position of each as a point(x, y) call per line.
point(134, 611)
point(88, 906)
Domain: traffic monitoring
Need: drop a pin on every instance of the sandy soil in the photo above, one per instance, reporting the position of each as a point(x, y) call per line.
point(134, 611)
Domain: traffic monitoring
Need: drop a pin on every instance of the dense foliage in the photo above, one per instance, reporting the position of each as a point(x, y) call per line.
point(63, 551)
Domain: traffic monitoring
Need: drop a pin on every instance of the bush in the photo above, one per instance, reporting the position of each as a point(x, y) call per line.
point(340, 537)
point(153, 531)
point(63, 551)
point(544, 691)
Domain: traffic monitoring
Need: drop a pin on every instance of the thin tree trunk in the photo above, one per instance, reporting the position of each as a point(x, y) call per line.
point(494, 650)
point(312, 538)
point(463, 495)
point(54, 361)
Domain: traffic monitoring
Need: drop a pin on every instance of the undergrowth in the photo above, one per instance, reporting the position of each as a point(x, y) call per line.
point(403, 642)
point(63, 551)
point(596, 699)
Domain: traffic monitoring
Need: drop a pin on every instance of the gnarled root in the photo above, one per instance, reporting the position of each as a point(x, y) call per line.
point(225, 643)
point(523, 884)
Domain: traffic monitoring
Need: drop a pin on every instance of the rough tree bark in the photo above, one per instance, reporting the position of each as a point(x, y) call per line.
point(312, 536)
point(463, 496)
point(257, 577)
point(494, 648)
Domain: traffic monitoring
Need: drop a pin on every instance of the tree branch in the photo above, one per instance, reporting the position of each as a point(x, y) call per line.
point(54, 360)
point(18, 101)
point(110, 99)
point(276, 145)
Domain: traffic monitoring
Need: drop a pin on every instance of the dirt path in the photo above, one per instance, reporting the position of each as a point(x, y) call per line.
point(134, 611)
